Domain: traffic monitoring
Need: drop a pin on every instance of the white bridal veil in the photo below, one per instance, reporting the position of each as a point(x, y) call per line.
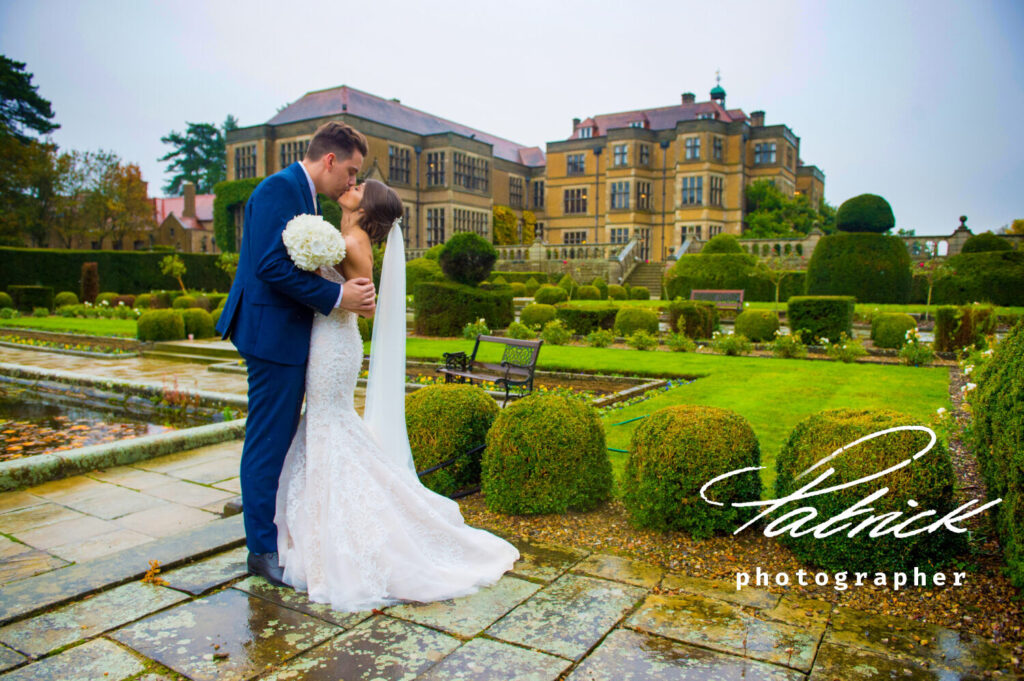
point(385, 388)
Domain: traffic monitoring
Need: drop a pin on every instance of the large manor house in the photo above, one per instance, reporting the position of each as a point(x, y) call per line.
point(655, 175)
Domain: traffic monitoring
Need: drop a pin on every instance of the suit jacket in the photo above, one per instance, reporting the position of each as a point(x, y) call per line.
point(269, 311)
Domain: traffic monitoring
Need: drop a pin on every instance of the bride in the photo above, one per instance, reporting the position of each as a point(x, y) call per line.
point(356, 528)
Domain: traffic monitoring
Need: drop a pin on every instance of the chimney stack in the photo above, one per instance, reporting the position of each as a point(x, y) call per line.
point(757, 119)
point(189, 211)
point(689, 98)
point(575, 124)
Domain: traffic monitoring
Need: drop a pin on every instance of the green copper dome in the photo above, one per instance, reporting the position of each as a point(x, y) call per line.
point(718, 92)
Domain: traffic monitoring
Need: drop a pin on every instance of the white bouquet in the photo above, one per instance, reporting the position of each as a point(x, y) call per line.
point(312, 242)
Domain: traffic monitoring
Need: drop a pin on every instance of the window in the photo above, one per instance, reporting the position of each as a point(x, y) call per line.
point(538, 193)
point(435, 169)
point(764, 153)
point(586, 133)
point(692, 148)
point(636, 124)
point(572, 238)
point(645, 155)
point(706, 116)
point(398, 164)
point(715, 192)
point(469, 221)
point(575, 201)
point(245, 161)
point(619, 235)
point(643, 237)
point(575, 164)
point(644, 200)
point(714, 230)
point(538, 231)
point(716, 148)
point(470, 172)
point(692, 230)
point(621, 155)
point(292, 152)
point(515, 191)
point(620, 195)
point(789, 156)
point(435, 226)
point(693, 188)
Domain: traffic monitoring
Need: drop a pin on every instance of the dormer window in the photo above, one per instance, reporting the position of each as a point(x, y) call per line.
point(636, 124)
point(586, 133)
point(708, 116)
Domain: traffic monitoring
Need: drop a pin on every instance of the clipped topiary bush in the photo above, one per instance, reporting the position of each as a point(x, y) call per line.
point(215, 316)
point(420, 270)
point(601, 286)
point(673, 453)
point(874, 268)
point(588, 293)
point(586, 319)
point(198, 322)
point(710, 271)
point(519, 331)
point(569, 285)
point(28, 298)
point(203, 303)
point(64, 298)
point(961, 327)
point(556, 332)
point(518, 289)
point(985, 243)
point(531, 286)
point(447, 421)
point(757, 325)
point(434, 252)
point(6, 300)
point(443, 308)
point(546, 454)
point(616, 292)
point(184, 303)
point(693, 318)
point(126, 301)
point(995, 277)
point(639, 293)
point(467, 258)
point(144, 301)
point(629, 320)
point(537, 314)
point(722, 243)
point(365, 328)
point(817, 317)
point(889, 329)
point(161, 325)
point(90, 281)
point(928, 481)
point(107, 297)
point(550, 295)
point(865, 213)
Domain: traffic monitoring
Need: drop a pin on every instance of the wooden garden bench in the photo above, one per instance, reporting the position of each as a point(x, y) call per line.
point(724, 299)
point(518, 362)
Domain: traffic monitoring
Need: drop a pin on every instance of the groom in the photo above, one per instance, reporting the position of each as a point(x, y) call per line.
point(269, 315)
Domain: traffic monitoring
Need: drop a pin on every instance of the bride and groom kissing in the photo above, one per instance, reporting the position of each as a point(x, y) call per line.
point(331, 501)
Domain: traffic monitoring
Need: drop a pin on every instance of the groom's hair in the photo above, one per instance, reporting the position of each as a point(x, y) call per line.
point(336, 138)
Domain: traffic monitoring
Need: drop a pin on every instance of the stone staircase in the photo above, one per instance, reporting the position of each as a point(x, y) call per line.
point(196, 352)
point(649, 275)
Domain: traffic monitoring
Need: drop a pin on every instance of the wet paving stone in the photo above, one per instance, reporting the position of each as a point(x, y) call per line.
point(631, 656)
point(544, 562)
point(296, 600)
point(200, 577)
point(247, 633)
point(853, 664)
point(469, 615)
point(916, 641)
point(87, 618)
point(722, 626)
point(98, 660)
point(27, 564)
point(568, 616)
point(722, 589)
point(10, 658)
point(380, 648)
point(803, 612)
point(621, 570)
point(485, 660)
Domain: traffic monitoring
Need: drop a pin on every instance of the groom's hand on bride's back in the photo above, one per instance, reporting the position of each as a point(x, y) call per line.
point(359, 296)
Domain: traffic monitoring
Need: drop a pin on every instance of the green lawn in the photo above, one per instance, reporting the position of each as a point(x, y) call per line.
point(861, 309)
point(772, 394)
point(95, 327)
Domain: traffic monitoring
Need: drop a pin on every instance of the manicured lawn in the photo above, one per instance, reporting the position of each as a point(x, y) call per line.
point(95, 327)
point(772, 394)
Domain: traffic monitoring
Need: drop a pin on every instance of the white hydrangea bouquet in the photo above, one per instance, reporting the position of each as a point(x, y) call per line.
point(312, 242)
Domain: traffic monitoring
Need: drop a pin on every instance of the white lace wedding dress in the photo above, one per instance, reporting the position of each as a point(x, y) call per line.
point(354, 529)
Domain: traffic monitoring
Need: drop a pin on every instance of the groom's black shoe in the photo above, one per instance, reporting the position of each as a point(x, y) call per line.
point(265, 565)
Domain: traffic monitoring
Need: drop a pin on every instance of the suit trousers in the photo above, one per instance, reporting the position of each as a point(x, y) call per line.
point(275, 403)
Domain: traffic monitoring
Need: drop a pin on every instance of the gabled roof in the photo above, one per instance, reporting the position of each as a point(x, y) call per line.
point(184, 223)
point(663, 118)
point(344, 99)
point(176, 204)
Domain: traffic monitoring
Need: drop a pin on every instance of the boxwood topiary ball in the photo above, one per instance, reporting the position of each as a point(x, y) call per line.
point(588, 293)
point(928, 481)
point(616, 292)
point(865, 213)
point(889, 329)
point(161, 325)
point(65, 298)
point(198, 322)
point(183, 303)
point(674, 452)
point(639, 293)
point(537, 314)
point(549, 295)
point(467, 258)
point(546, 454)
point(757, 325)
point(629, 320)
point(445, 421)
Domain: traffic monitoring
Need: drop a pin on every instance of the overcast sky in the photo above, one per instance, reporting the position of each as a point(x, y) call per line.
point(918, 101)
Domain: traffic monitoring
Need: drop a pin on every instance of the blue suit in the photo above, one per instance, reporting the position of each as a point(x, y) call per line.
point(268, 316)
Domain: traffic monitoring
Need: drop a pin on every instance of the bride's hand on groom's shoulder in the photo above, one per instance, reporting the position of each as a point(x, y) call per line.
point(359, 296)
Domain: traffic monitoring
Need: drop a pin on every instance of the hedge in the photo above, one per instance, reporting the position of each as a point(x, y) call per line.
point(874, 268)
point(995, 277)
point(588, 292)
point(889, 329)
point(421, 269)
point(629, 320)
point(521, 277)
point(228, 194)
point(550, 295)
point(967, 326)
point(985, 242)
point(28, 298)
point(443, 308)
point(122, 271)
point(198, 322)
point(616, 292)
point(693, 318)
point(161, 325)
point(583, 320)
point(817, 317)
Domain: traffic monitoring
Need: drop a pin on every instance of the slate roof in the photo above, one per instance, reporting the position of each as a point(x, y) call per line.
point(176, 204)
point(662, 118)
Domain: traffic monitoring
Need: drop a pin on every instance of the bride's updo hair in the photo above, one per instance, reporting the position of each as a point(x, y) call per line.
point(381, 207)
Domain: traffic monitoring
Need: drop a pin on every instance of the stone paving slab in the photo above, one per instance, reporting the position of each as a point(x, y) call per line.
point(722, 589)
point(25, 519)
point(10, 658)
point(131, 477)
point(249, 632)
point(297, 600)
point(917, 641)
point(469, 615)
point(722, 626)
point(854, 664)
point(100, 545)
point(200, 577)
point(12, 501)
point(485, 660)
point(65, 531)
point(98, 660)
point(806, 612)
point(111, 501)
point(631, 656)
point(189, 493)
point(568, 616)
point(544, 562)
point(621, 569)
point(381, 648)
point(166, 519)
point(26, 564)
point(10, 547)
point(210, 472)
point(87, 618)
